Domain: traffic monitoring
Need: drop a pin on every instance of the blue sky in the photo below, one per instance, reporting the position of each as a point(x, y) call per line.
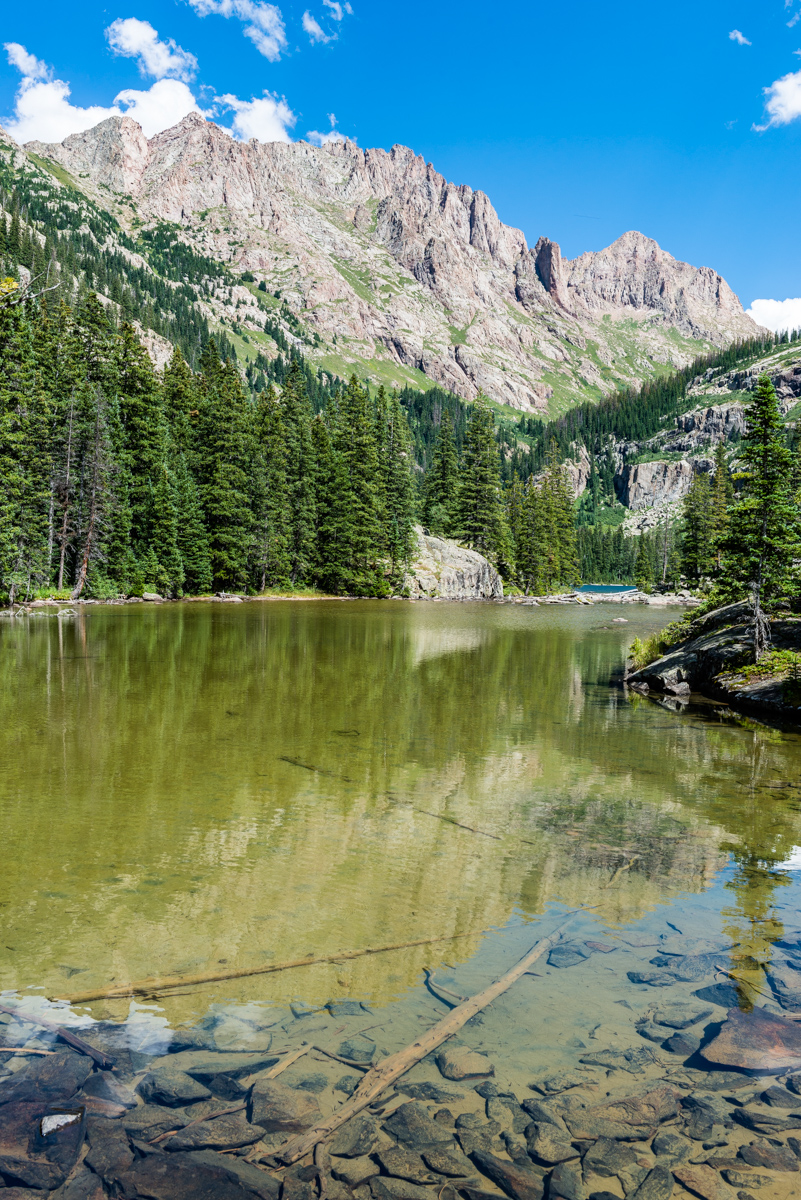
point(579, 121)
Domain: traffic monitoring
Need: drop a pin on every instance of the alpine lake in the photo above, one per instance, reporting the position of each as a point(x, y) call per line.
point(206, 788)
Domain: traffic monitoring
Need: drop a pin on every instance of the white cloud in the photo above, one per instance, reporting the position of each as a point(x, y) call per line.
point(160, 107)
point(27, 64)
point(264, 24)
point(794, 20)
point(739, 38)
point(267, 118)
point(138, 39)
point(314, 31)
point(42, 111)
point(783, 101)
point(778, 315)
point(322, 139)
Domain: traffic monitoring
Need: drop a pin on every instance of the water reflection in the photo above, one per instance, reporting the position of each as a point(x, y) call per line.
point(203, 785)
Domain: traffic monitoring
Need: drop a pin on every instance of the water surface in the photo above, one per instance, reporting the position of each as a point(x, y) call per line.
point(197, 786)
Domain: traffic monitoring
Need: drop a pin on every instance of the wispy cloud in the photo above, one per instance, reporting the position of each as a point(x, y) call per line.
point(315, 32)
point(338, 10)
point(43, 112)
point(778, 315)
point(782, 101)
point(323, 139)
point(132, 38)
point(264, 23)
point(739, 38)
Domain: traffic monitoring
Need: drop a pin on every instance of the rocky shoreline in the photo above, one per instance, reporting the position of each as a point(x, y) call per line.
point(706, 1102)
point(711, 661)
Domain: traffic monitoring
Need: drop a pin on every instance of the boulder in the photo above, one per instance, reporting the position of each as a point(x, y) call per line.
point(185, 1177)
point(518, 1182)
point(549, 1145)
point(756, 1041)
point(221, 1133)
point(413, 1126)
point(404, 1164)
point(611, 1158)
point(657, 1185)
point(356, 1137)
point(109, 1153)
point(281, 1109)
point(680, 1016)
point(171, 1086)
point(703, 1181)
point(84, 1185)
point(441, 568)
point(458, 1062)
point(566, 1181)
point(768, 1157)
point(52, 1079)
point(356, 1171)
point(448, 1162)
point(383, 1188)
point(635, 1118)
point(30, 1158)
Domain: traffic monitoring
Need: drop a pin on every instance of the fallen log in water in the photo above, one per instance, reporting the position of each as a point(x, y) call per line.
point(102, 1060)
point(145, 987)
point(380, 1077)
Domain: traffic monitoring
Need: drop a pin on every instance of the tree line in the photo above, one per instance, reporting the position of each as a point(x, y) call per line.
point(119, 479)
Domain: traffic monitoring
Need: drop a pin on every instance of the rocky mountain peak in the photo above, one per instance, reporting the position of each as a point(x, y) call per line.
point(398, 272)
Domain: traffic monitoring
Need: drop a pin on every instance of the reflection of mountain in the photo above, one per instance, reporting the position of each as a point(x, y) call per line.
point(197, 784)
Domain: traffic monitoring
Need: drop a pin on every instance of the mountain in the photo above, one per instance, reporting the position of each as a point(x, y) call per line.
point(374, 263)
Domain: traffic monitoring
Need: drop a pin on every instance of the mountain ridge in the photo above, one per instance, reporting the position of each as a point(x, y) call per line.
point(395, 271)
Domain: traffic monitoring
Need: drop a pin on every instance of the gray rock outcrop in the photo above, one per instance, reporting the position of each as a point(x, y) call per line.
point(442, 569)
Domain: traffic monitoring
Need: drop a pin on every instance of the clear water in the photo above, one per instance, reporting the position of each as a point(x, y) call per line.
point(194, 787)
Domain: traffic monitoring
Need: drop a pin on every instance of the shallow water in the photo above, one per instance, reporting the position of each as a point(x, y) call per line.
point(204, 786)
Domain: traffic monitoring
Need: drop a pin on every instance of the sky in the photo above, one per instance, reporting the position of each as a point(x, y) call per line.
point(579, 120)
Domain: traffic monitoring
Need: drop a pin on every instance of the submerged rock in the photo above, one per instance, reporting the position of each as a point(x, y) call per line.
point(357, 1137)
point(518, 1182)
point(635, 1118)
point(412, 1125)
point(756, 1041)
point(769, 1157)
point(458, 1062)
point(281, 1109)
point(704, 1182)
point(680, 1016)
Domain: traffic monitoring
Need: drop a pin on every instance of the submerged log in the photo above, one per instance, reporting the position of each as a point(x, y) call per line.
point(380, 1077)
point(145, 987)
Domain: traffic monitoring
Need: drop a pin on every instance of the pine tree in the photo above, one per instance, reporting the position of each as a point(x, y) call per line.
point(480, 521)
point(354, 565)
point(299, 474)
point(763, 539)
point(721, 500)
point(191, 535)
point(698, 516)
point(644, 566)
point(440, 490)
point(399, 495)
point(164, 535)
point(272, 515)
point(227, 449)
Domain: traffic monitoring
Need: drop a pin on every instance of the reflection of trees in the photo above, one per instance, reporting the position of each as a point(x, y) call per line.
point(165, 745)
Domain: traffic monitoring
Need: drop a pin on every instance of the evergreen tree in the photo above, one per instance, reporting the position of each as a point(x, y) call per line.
point(644, 566)
point(480, 521)
point(763, 538)
point(698, 540)
point(299, 475)
point(721, 500)
point(399, 498)
point(226, 453)
point(191, 534)
point(440, 490)
point(353, 537)
point(272, 526)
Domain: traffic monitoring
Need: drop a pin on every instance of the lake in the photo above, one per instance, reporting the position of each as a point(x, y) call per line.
point(205, 787)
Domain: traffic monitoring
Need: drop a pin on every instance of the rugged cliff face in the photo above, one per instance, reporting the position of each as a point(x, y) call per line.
point(397, 271)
